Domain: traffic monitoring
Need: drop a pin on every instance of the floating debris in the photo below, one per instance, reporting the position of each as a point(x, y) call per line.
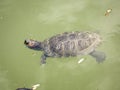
point(34, 87)
point(108, 11)
point(81, 60)
point(34, 54)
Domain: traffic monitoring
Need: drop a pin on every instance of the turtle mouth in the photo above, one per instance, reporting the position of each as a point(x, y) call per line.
point(29, 43)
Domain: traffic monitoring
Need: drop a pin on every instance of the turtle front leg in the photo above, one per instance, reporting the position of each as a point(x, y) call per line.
point(43, 59)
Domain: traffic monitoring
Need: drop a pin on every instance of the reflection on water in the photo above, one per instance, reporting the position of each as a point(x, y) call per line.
point(40, 20)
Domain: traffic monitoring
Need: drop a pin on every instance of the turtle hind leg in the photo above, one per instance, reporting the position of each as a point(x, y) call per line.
point(99, 56)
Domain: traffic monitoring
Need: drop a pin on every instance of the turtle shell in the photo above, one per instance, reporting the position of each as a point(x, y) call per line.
point(71, 44)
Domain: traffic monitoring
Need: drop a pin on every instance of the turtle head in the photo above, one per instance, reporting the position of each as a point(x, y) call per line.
point(23, 89)
point(33, 44)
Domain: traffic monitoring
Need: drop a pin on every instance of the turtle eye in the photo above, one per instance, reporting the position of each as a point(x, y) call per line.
point(26, 42)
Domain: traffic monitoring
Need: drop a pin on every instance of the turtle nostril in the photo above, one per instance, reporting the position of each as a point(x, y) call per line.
point(26, 42)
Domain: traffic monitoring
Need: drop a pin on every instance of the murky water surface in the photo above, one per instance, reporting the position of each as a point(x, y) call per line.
point(40, 19)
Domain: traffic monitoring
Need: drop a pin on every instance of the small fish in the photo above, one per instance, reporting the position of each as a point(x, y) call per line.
point(108, 11)
point(81, 60)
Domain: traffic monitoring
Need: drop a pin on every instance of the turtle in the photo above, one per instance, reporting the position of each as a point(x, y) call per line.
point(68, 44)
point(34, 87)
point(24, 88)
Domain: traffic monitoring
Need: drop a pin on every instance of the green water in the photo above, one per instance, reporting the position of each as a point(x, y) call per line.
point(40, 19)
